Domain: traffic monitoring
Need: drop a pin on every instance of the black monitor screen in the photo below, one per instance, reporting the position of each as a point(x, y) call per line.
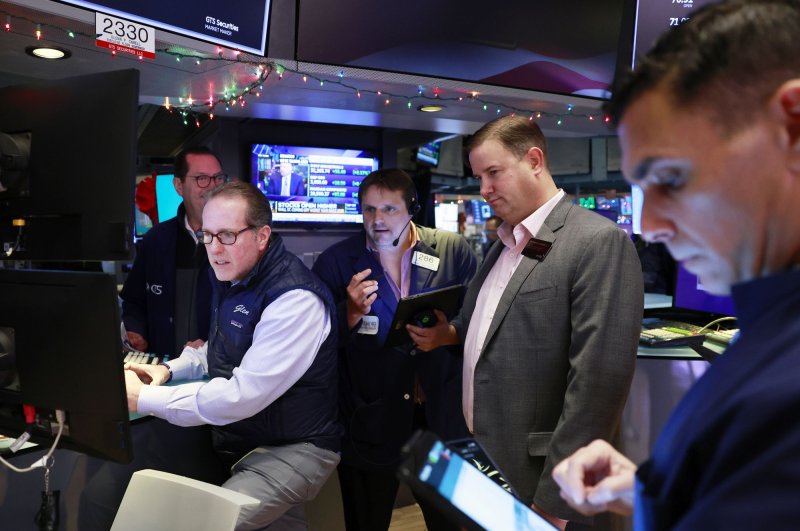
point(654, 17)
point(58, 328)
point(68, 152)
point(311, 184)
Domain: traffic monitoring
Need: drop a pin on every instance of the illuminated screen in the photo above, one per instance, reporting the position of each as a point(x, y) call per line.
point(690, 295)
point(654, 17)
point(311, 184)
point(429, 154)
point(156, 201)
point(475, 494)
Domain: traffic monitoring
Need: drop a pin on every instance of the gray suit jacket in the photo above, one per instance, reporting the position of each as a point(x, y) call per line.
point(556, 366)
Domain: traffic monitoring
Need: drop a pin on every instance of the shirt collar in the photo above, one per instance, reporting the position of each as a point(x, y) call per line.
point(514, 236)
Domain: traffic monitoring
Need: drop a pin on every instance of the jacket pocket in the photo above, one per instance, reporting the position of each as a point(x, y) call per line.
point(538, 294)
point(538, 443)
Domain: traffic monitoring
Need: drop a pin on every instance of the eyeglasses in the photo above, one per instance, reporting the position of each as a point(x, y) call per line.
point(225, 237)
point(204, 180)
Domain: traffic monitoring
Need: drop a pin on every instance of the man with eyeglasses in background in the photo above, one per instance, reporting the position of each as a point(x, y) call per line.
point(272, 362)
point(166, 299)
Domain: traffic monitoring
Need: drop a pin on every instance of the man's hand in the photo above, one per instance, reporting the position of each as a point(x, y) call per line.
point(148, 374)
point(137, 341)
point(197, 343)
point(360, 296)
point(427, 339)
point(133, 385)
point(597, 478)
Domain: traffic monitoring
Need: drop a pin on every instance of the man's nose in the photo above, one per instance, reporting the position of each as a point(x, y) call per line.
point(656, 224)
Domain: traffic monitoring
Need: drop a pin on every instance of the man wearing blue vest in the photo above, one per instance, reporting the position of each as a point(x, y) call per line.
point(271, 360)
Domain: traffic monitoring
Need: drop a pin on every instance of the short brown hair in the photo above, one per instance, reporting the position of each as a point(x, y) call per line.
point(516, 133)
point(258, 212)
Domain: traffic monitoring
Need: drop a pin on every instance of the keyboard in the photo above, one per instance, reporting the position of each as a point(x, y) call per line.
point(663, 333)
point(723, 337)
point(143, 357)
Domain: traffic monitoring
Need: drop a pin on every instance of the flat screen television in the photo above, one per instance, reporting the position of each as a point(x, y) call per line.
point(239, 25)
point(156, 201)
point(543, 45)
point(58, 328)
point(654, 17)
point(429, 154)
point(68, 164)
point(311, 185)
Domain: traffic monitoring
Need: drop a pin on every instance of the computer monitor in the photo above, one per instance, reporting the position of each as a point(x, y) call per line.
point(429, 154)
point(60, 335)
point(67, 168)
point(690, 295)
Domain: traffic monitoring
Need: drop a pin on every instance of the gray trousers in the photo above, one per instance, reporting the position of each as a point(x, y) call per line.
point(284, 478)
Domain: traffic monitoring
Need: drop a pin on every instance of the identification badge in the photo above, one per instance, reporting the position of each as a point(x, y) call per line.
point(537, 249)
point(425, 260)
point(369, 325)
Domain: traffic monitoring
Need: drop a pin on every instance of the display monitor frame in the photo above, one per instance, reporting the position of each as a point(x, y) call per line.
point(325, 171)
point(71, 198)
point(58, 327)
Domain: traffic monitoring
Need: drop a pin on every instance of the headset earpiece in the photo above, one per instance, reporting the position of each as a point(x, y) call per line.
point(414, 207)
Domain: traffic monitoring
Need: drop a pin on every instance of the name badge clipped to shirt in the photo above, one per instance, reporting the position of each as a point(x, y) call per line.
point(537, 249)
point(425, 260)
point(369, 325)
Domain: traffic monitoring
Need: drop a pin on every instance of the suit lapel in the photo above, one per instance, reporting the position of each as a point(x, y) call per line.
point(554, 221)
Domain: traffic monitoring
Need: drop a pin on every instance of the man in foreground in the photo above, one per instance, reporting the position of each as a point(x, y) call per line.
point(709, 124)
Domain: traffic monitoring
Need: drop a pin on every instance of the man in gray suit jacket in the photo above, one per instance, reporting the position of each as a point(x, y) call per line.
point(550, 324)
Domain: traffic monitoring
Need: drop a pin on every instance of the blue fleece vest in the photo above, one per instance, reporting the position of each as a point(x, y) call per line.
point(307, 412)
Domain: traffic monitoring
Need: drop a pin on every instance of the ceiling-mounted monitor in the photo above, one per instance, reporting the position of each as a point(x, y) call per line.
point(238, 25)
point(544, 45)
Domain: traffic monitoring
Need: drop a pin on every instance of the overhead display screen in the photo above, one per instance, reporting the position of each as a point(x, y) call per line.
point(654, 17)
point(565, 47)
point(241, 25)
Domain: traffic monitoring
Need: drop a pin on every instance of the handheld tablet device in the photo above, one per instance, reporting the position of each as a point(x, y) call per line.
point(420, 307)
point(461, 491)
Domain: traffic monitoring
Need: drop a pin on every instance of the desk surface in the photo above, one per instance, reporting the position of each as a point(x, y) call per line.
point(676, 353)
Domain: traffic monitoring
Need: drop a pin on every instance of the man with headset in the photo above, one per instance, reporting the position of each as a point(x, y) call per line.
point(387, 392)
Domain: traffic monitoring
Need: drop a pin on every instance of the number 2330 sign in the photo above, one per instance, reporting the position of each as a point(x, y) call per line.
point(124, 36)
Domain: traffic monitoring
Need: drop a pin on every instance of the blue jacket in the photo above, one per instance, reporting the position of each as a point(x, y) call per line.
point(307, 412)
point(377, 383)
point(148, 296)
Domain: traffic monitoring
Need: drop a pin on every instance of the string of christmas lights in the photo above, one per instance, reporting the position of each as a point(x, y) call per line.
point(196, 111)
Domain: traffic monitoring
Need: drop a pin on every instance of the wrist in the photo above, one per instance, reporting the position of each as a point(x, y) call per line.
point(169, 371)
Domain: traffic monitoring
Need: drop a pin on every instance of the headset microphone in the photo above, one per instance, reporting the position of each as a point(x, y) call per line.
point(413, 208)
point(397, 240)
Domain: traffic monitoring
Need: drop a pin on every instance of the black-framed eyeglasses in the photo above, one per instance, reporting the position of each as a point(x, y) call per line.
point(204, 180)
point(225, 237)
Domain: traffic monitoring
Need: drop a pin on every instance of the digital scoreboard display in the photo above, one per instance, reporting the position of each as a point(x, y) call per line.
point(241, 25)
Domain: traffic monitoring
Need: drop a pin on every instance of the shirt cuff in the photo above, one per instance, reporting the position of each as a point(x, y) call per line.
point(153, 400)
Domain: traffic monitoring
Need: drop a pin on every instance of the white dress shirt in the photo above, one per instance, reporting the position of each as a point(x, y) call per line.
point(514, 240)
point(285, 342)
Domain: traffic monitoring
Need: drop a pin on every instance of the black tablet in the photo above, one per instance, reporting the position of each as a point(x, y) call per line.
point(461, 491)
point(418, 309)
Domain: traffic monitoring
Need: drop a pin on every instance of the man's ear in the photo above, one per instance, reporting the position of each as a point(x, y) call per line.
point(178, 184)
point(788, 104)
point(535, 158)
point(263, 237)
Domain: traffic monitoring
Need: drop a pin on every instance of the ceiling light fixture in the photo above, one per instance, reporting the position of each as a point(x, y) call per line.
point(430, 108)
point(48, 52)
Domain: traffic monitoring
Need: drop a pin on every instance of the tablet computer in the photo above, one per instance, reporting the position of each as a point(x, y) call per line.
point(461, 491)
point(418, 309)
point(473, 453)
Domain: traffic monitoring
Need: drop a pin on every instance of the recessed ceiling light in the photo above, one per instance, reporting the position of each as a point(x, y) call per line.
point(48, 52)
point(430, 108)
